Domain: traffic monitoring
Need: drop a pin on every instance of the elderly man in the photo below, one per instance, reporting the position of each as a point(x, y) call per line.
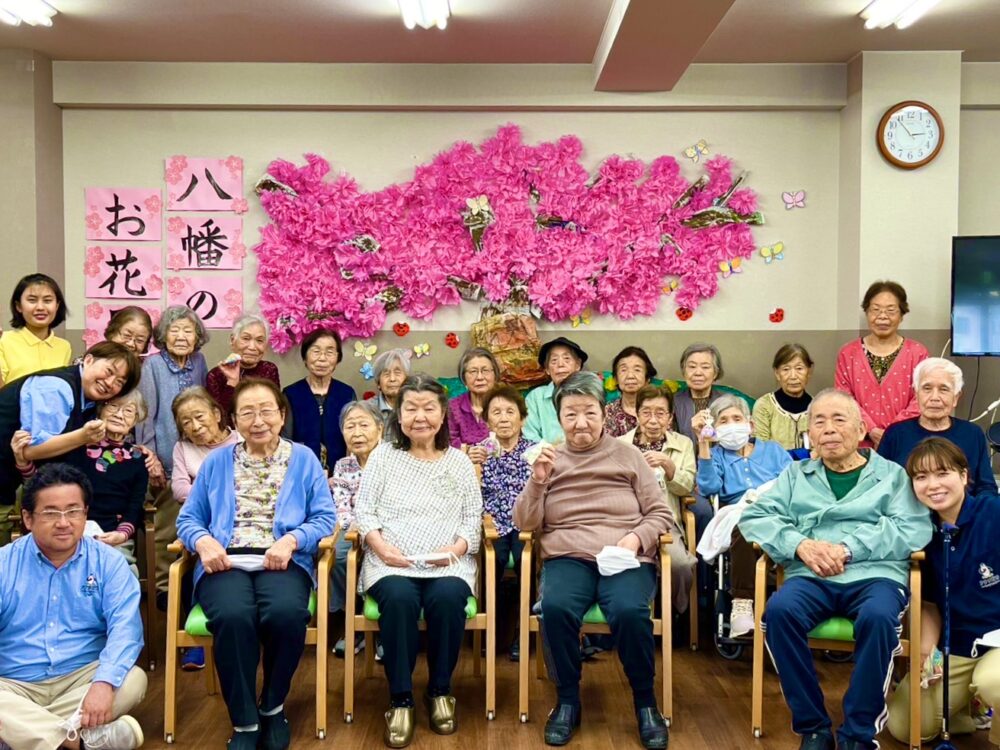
point(560, 358)
point(69, 627)
point(843, 527)
point(938, 384)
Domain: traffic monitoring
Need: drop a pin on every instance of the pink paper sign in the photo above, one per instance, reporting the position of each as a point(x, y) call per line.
point(218, 299)
point(205, 242)
point(126, 214)
point(204, 184)
point(99, 313)
point(123, 272)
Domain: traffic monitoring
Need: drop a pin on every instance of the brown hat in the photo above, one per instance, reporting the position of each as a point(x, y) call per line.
point(543, 352)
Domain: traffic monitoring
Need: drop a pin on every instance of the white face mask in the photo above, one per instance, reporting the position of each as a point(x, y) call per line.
point(614, 560)
point(734, 435)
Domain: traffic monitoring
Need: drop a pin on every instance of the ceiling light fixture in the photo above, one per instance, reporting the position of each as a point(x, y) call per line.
point(881, 14)
point(33, 12)
point(423, 13)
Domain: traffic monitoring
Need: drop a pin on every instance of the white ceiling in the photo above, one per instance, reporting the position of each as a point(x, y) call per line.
point(481, 31)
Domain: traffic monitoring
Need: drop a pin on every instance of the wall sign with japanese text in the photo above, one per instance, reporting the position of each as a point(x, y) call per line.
point(195, 184)
point(124, 214)
point(205, 243)
point(125, 271)
point(217, 298)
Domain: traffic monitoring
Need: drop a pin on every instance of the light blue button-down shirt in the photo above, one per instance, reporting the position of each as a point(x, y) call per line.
point(542, 422)
point(729, 475)
point(54, 621)
point(47, 405)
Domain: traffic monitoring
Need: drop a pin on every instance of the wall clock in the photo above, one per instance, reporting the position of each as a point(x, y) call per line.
point(910, 134)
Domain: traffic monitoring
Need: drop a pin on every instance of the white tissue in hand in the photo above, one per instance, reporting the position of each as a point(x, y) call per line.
point(532, 452)
point(613, 560)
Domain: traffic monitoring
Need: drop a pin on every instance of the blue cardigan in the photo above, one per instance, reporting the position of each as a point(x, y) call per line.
point(304, 506)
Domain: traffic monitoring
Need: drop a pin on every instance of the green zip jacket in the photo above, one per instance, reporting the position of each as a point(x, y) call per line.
point(880, 520)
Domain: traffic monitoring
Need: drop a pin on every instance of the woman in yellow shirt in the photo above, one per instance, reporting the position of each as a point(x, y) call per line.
point(36, 307)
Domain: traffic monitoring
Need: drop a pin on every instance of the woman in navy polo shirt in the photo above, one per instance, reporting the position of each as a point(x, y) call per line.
point(940, 475)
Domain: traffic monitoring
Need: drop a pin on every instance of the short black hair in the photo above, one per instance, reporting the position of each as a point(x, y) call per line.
point(17, 319)
point(318, 334)
point(55, 475)
point(419, 383)
point(893, 287)
point(634, 351)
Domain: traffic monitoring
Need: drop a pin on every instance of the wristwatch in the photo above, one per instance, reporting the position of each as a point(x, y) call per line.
point(850, 555)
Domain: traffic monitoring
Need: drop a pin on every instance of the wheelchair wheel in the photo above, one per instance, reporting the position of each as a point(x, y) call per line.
point(729, 651)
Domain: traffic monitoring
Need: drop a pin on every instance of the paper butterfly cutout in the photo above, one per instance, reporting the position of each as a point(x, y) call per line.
point(422, 350)
point(361, 349)
point(773, 252)
point(480, 205)
point(583, 317)
point(698, 150)
point(794, 200)
point(729, 267)
point(367, 371)
point(670, 286)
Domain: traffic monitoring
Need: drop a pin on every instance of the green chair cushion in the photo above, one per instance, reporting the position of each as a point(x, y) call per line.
point(834, 629)
point(371, 612)
point(197, 624)
point(594, 615)
point(510, 561)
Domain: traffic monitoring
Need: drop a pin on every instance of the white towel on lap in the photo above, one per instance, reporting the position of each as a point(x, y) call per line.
point(719, 532)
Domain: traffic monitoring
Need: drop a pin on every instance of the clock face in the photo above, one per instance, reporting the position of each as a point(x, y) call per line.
point(910, 136)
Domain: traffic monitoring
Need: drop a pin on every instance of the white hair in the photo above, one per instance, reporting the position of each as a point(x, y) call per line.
point(834, 393)
point(933, 364)
point(250, 320)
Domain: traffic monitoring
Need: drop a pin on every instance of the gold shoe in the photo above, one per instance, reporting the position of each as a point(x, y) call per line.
point(442, 711)
point(399, 726)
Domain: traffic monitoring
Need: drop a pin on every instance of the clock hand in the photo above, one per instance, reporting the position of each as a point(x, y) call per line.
point(905, 128)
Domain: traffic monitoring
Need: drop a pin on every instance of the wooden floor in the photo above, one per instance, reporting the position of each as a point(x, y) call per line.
point(711, 708)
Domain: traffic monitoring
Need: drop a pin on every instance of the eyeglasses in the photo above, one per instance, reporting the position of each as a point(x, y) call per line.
point(54, 516)
point(888, 311)
point(127, 410)
point(248, 415)
point(481, 371)
point(655, 413)
point(328, 353)
point(128, 338)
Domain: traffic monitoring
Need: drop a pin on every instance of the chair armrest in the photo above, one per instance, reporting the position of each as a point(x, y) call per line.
point(918, 556)
point(353, 536)
point(687, 501)
point(665, 541)
point(490, 534)
point(177, 547)
point(326, 543)
point(526, 536)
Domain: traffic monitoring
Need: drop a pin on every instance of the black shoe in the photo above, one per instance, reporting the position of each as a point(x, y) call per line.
point(514, 652)
point(562, 723)
point(244, 740)
point(818, 741)
point(653, 730)
point(274, 732)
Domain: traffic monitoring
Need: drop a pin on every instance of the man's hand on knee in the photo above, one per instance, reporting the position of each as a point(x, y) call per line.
point(96, 708)
point(822, 558)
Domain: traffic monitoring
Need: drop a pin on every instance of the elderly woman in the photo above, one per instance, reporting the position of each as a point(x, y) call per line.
point(736, 463)
point(116, 470)
point(701, 367)
point(203, 428)
point(938, 384)
point(940, 475)
point(248, 343)
point(390, 368)
point(479, 371)
point(782, 415)
point(317, 400)
point(671, 457)
point(179, 365)
point(592, 492)
point(877, 369)
point(255, 517)
point(504, 474)
point(560, 358)
point(419, 512)
point(633, 370)
point(132, 328)
point(361, 425)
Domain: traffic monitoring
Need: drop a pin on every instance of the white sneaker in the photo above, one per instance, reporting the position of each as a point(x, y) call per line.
point(741, 618)
point(124, 733)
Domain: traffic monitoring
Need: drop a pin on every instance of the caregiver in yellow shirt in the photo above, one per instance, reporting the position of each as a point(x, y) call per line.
point(36, 307)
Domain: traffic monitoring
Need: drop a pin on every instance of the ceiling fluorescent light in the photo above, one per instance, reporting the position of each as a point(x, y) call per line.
point(881, 14)
point(423, 13)
point(34, 12)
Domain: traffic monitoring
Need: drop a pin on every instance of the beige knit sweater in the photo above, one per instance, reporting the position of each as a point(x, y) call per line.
point(593, 498)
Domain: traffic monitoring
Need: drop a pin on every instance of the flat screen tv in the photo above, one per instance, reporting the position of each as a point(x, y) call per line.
point(975, 296)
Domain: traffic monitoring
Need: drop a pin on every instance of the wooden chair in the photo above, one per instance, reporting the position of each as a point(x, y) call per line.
point(146, 581)
point(476, 620)
point(593, 622)
point(192, 631)
point(837, 635)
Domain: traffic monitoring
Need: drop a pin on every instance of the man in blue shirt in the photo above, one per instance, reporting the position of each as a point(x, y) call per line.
point(938, 385)
point(70, 630)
